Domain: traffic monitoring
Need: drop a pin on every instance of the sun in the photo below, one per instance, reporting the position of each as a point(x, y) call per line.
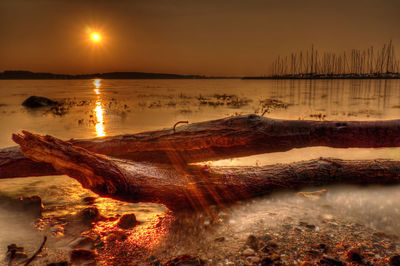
point(95, 36)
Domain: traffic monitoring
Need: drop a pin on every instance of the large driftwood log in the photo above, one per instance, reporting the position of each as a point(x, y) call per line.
point(195, 187)
point(219, 139)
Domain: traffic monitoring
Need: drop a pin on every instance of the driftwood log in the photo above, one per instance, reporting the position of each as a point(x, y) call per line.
point(181, 186)
point(219, 139)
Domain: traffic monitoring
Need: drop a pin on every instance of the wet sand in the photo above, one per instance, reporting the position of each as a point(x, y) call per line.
point(347, 224)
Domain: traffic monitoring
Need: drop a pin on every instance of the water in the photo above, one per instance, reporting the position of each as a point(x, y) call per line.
point(110, 107)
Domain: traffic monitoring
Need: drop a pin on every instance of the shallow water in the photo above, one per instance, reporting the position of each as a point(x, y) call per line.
point(111, 107)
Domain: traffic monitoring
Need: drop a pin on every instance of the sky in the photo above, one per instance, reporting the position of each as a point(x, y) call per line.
point(205, 37)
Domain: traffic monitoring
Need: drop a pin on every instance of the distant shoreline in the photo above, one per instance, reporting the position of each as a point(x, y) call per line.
point(22, 74)
point(28, 75)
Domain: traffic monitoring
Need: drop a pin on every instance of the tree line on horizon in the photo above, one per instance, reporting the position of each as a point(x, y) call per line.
point(367, 62)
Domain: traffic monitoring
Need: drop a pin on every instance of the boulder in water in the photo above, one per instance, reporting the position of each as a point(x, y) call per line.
point(37, 101)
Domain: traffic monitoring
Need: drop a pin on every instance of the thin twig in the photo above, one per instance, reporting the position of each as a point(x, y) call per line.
point(37, 252)
point(180, 122)
point(265, 111)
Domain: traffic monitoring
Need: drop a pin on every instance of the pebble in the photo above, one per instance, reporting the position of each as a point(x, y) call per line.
point(270, 245)
point(252, 242)
point(61, 263)
point(354, 255)
point(266, 261)
point(32, 204)
point(16, 252)
point(116, 236)
point(185, 260)
point(219, 239)
point(248, 252)
point(266, 237)
point(326, 260)
point(254, 259)
point(395, 260)
point(90, 213)
point(127, 221)
point(89, 200)
point(82, 254)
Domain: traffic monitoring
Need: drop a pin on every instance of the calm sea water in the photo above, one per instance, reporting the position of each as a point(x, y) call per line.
point(96, 108)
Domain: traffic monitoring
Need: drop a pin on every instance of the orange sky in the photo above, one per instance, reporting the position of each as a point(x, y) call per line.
point(210, 37)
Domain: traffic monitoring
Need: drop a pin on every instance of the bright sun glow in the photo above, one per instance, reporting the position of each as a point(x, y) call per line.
point(95, 37)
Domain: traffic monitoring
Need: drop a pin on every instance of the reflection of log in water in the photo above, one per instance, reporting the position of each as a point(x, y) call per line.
point(179, 186)
point(219, 139)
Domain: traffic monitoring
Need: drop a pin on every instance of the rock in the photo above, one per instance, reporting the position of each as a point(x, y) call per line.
point(61, 263)
point(270, 245)
point(326, 260)
point(15, 252)
point(248, 252)
point(252, 242)
point(117, 236)
point(308, 226)
point(307, 263)
point(127, 221)
point(14, 247)
point(32, 204)
point(90, 214)
point(37, 101)
point(89, 200)
point(220, 239)
point(253, 259)
point(394, 260)
point(185, 260)
point(266, 261)
point(82, 242)
point(312, 252)
point(322, 247)
point(311, 227)
point(354, 255)
point(82, 254)
point(266, 237)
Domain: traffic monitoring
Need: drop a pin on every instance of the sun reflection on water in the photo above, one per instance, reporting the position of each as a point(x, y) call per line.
point(98, 110)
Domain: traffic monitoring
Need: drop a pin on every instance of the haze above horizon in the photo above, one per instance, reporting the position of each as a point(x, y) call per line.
point(215, 38)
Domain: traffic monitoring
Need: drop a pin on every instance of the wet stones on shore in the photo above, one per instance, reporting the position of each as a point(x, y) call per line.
point(32, 204)
point(90, 214)
point(185, 260)
point(127, 221)
point(61, 263)
point(89, 200)
point(252, 242)
point(16, 252)
point(79, 255)
point(319, 243)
